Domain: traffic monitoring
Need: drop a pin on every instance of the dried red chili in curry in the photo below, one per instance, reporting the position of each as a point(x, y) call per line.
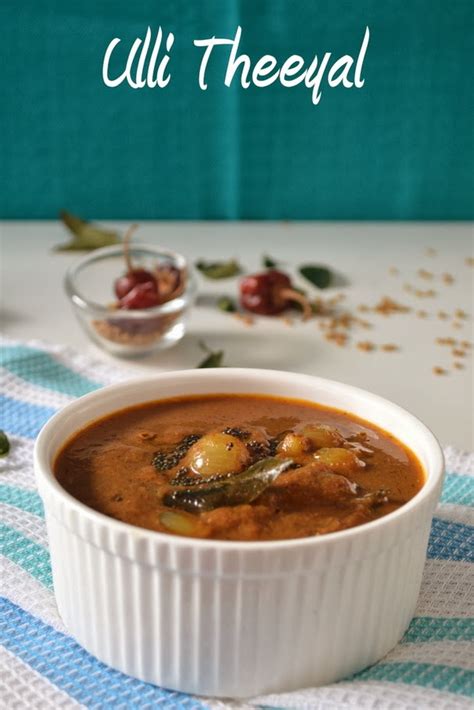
point(238, 467)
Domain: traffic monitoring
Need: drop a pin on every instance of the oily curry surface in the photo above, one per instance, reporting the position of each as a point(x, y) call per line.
point(238, 467)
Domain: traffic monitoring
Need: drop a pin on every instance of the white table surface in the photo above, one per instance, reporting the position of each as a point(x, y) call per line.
point(34, 305)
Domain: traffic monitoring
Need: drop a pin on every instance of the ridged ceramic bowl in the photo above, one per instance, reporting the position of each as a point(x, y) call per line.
point(226, 618)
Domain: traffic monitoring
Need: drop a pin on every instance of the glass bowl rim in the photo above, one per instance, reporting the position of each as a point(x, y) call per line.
point(175, 304)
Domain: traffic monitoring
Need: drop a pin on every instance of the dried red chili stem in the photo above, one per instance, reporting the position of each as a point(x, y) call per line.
point(289, 294)
point(126, 246)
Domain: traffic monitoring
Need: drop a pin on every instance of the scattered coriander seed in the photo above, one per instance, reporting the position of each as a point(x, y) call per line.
point(448, 279)
point(366, 346)
point(245, 318)
point(389, 347)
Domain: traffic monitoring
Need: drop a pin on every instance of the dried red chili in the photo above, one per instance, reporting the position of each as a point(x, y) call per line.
point(270, 293)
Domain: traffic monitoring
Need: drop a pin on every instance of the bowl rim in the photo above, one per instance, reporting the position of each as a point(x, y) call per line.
point(171, 306)
point(44, 469)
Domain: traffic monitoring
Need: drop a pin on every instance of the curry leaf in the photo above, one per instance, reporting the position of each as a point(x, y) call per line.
point(4, 443)
point(85, 236)
point(213, 358)
point(219, 269)
point(268, 262)
point(233, 490)
point(319, 276)
point(226, 304)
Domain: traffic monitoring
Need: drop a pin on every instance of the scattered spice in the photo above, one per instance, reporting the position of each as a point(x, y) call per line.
point(219, 269)
point(337, 337)
point(213, 358)
point(459, 313)
point(445, 341)
point(423, 274)
point(430, 293)
point(466, 344)
point(336, 299)
point(457, 325)
point(245, 318)
point(387, 306)
point(439, 371)
point(470, 261)
point(393, 271)
point(366, 346)
point(430, 251)
point(459, 353)
point(442, 315)
point(4, 443)
point(458, 365)
point(422, 314)
point(389, 348)
point(448, 279)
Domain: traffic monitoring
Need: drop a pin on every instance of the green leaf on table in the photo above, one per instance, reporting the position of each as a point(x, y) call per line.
point(85, 235)
point(213, 357)
point(219, 269)
point(319, 276)
point(4, 443)
point(226, 304)
point(268, 262)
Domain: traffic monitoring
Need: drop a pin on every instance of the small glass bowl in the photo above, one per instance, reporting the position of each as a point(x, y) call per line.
point(127, 333)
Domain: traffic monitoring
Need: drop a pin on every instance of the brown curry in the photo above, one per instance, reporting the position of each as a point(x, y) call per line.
point(238, 467)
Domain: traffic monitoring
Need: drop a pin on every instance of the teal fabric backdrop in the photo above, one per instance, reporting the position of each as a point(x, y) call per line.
point(399, 148)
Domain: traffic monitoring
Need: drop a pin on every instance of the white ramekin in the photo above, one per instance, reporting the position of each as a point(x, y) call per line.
point(236, 618)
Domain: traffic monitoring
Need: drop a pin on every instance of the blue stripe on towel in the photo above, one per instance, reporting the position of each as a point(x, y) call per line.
point(458, 489)
point(26, 553)
point(41, 369)
point(427, 629)
point(71, 669)
point(428, 675)
point(22, 418)
point(451, 541)
point(22, 498)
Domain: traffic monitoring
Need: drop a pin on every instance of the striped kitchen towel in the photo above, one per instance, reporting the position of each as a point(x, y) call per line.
point(42, 667)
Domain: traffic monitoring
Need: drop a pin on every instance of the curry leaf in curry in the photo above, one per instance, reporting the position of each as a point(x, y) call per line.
point(233, 490)
point(213, 358)
point(319, 276)
point(219, 269)
point(85, 236)
point(4, 443)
